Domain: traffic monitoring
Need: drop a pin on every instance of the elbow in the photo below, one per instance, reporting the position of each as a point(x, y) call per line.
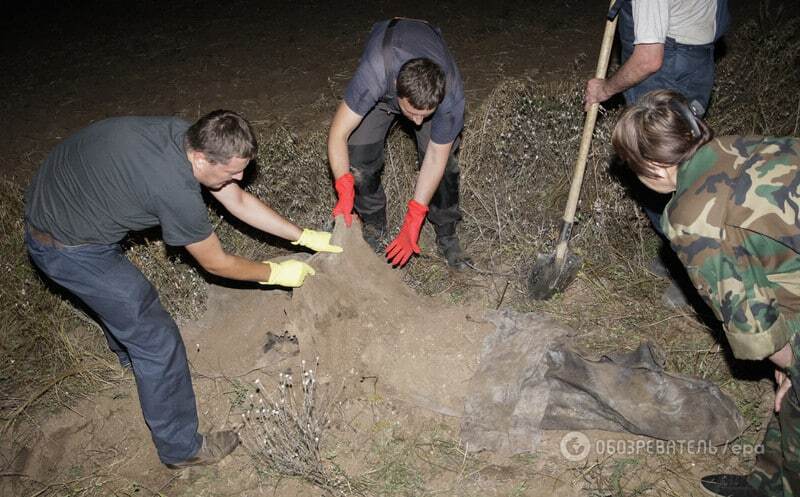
point(652, 66)
point(647, 58)
point(653, 62)
point(338, 134)
point(217, 267)
point(214, 270)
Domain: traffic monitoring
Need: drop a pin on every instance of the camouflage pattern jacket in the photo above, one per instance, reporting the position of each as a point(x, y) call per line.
point(734, 224)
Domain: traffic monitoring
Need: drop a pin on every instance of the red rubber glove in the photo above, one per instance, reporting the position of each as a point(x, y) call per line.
point(400, 250)
point(345, 189)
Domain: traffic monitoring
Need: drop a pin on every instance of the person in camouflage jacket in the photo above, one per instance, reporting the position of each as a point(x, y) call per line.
point(733, 221)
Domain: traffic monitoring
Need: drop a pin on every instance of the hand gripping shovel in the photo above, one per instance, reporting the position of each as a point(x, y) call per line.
point(552, 273)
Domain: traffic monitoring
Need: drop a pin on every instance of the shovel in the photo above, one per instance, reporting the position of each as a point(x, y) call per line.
point(552, 273)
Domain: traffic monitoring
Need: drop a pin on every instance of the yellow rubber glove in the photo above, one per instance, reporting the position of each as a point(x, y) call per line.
point(289, 273)
point(318, 241)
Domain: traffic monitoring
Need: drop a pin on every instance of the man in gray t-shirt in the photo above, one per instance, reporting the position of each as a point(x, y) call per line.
point(405, 71)
point(132, 173)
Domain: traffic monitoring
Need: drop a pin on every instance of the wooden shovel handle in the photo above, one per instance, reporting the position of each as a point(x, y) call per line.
point(586, 141)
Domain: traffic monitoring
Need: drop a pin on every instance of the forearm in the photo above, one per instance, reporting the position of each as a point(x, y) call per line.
point(211, 257)
point(338, 157)
point(644, 62)
point(257, 214)
point(431, 172)
point(238, 268)
point(344, 122)
point(626, 77)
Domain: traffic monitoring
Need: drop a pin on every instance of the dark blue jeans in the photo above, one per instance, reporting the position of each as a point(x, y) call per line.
point(687, 69)
point(141, 331)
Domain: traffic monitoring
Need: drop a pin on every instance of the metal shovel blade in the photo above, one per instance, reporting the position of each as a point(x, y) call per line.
point(548, 278)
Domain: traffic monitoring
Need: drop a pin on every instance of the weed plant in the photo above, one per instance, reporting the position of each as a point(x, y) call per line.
point(283, 431)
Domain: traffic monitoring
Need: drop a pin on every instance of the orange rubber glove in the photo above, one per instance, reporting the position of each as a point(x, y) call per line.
point(345, 189)
point(400, 250)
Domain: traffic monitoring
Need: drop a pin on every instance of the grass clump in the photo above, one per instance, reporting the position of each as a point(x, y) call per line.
point(181, 288)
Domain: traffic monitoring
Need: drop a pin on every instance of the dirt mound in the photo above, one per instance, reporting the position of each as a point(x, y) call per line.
point(358, 314)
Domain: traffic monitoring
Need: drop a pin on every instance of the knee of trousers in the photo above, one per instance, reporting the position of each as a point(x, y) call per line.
point(366, 164)
point(149, 332)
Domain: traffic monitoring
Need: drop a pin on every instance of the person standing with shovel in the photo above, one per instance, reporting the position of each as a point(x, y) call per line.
point(552, 273)
point(665, 44)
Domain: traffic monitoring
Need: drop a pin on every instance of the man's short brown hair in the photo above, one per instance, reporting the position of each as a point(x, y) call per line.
point(222, 135)
point(422, 82)
point(656, 129)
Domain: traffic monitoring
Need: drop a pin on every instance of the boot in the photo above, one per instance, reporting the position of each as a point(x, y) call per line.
point(667, 265)
point(374, 236)
point(450, 249)
point(674, 296)
point(727, 485)
point(373, 229)
point(215, 447)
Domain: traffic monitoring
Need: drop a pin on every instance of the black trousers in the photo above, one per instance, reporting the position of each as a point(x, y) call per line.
point(366, 150)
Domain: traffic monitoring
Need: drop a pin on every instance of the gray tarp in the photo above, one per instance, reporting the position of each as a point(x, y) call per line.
point(529, 380)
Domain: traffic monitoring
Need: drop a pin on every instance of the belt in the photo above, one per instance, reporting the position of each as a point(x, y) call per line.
point(671, 42)
point(44, 238)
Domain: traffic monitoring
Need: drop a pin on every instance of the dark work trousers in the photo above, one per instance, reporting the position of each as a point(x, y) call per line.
point(141, 331)
point(687, 69)
point(366, 150)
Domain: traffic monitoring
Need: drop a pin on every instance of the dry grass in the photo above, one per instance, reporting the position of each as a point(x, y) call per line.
point(756, 87)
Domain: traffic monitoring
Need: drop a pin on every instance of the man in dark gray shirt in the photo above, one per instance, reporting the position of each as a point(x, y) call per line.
point(406, 70)
point(131, 173)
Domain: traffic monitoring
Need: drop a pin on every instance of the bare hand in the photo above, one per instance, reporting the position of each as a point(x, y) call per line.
point(784, 385)
point(784, 357)
point(595, 92)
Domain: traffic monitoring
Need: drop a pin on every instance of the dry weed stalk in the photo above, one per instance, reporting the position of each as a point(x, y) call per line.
point(283, 433)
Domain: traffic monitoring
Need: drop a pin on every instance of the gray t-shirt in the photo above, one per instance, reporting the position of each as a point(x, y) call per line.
point(410, 40)
point(119, 175)
point(691, 22)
